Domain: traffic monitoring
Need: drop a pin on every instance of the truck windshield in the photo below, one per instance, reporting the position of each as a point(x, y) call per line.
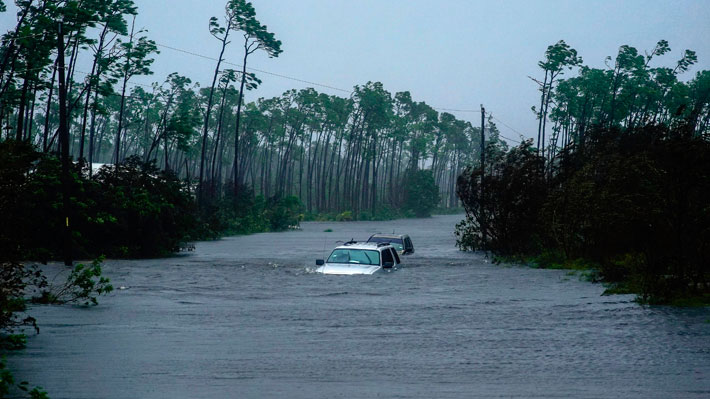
point(357, 256)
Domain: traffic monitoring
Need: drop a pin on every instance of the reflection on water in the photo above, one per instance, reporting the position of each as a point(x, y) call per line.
point(247, 317)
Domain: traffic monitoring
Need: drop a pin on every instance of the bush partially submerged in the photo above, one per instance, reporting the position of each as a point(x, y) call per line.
point(15, 279)
point(139, 210)
point(132, 209)
point(421, 194)
point(83, 286)
point(514, 188)
point(634, 203)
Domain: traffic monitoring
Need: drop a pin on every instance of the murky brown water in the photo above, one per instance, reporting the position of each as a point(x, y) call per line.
point(245, 317)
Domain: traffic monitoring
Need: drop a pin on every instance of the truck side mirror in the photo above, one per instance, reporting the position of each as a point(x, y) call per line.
point(320, 262)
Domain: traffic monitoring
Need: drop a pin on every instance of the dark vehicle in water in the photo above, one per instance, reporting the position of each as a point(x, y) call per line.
point(401, 242)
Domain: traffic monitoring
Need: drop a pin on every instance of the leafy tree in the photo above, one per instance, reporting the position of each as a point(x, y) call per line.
point(421, 193)
point(515, 188)
point(136, 61)
point(83, 285)
point(632, 203)
point(557, 57)
point(256, 37)
point(237, 13)
point(150, 212)
point(631, 93)
point(111, 14)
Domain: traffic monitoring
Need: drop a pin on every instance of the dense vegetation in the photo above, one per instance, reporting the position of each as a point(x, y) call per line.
point(183, 162)
point(622, 186)
point(131, 210)
point(621, 183)
point(335, 154)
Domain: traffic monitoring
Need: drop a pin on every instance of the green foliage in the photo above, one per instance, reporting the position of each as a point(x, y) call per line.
point(140, 208)
point(514, 185)
point(133, 209)
point(632, 206)
point(7, 381)
point(15, 279)
point(18, 196)
point(241, 16)
point(130, 210)
point(83, 286)
point(136, 55)
point(421, 194)
point(247, 214)
point(346, 216)
point(629, 93)
point(13, 341)
point(283, 213)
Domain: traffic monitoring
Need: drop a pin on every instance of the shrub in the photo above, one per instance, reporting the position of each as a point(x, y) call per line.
point(421, 194)
point(143, 209)
point(514, 190)
point(346, 216)
point(83, 285)
point(633, 203)
point(15, 279)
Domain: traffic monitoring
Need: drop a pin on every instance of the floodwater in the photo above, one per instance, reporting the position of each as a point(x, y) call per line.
point(246, 317)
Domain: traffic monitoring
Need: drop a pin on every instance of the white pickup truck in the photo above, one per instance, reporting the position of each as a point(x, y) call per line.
point(360, 258)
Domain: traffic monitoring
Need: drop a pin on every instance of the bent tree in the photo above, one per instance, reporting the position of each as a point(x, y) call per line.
point(557, 57)
point(235, 15)
point(136, 61)
point(256, 37)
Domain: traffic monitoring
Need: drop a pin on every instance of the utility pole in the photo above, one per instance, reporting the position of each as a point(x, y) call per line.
point(483, 175)
point(64, 144)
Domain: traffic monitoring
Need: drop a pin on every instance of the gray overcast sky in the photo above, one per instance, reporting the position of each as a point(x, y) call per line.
point(450, 53)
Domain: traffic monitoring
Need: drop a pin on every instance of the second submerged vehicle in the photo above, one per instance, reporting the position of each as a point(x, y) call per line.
point(401, 242)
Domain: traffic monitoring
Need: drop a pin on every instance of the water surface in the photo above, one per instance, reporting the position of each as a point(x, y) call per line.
point(246, 317)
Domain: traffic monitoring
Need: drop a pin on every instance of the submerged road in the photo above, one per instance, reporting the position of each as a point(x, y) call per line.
point(246, 317)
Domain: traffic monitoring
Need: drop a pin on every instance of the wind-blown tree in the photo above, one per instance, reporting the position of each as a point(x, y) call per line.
point(136, 61)
point(630, 93)
point(177, 85)
point(111, 17)
point(335, 154)
point(699, 117)
point(557, 57)
point(236, 15)
point(24, 59)
point(375, 104)
point(256, 37)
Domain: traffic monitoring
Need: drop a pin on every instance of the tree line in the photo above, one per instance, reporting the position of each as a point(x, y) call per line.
point(630, 92)
point(333, 153)
point(620, 186)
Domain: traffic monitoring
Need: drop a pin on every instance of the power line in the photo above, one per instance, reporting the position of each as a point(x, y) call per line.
point(254, 69)
point(192, 53)
point(509, 127)
point(130, 83)
point(10, 38)
point(458, 110)
point(331, 87)
point(195, 54)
